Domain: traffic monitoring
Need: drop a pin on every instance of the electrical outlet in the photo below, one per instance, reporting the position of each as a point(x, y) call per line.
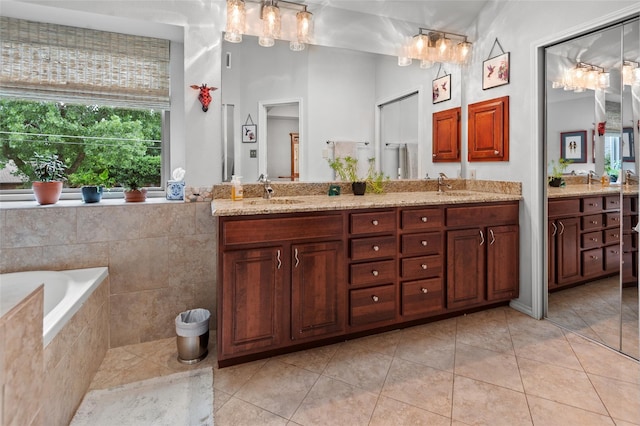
point(472, 174)
point(253, 153)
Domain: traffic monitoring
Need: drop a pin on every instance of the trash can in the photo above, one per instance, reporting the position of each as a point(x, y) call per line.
point(192, 328)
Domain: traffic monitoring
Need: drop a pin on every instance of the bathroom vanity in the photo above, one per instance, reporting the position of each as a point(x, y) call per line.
point(301, 271)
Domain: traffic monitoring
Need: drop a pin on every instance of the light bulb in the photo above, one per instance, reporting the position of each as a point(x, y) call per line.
point(236, 18)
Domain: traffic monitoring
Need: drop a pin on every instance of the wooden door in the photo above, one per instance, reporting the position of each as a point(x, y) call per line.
point(446, 136)
point(295, 156)
point(317, 289)
point(465, 267)
point(252, 295)
point(568, 250)
point(488, 135)
point(503, 275)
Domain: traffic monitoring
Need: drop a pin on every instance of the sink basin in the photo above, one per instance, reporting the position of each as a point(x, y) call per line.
point(456, 193)
point(262, 201)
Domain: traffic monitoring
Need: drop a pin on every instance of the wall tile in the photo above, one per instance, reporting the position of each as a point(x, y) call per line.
point(23, 259)
point(137, 265)
point(206, 223)
point(76, 256)
point(43, 226)
point(192, 258)
point(169, 219)
point(109, 223)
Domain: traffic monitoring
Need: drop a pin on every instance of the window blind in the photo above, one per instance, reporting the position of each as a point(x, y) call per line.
point(80, 65)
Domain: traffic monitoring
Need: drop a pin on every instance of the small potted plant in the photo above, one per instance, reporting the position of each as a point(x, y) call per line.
point(91, 184)
point(557, 170)
point(375, 180)
point(611, 167)
point(49, 172)
point(347, 170)
point(133, 178)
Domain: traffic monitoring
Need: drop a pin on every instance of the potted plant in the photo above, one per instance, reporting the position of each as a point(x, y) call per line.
point(347, 170)
point(49, 173)
point(134, 177)
point(611, 167)
point(557, 170)
point(375, 180)
point(91, 184)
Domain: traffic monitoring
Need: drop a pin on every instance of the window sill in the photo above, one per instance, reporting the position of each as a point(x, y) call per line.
point(7, 205)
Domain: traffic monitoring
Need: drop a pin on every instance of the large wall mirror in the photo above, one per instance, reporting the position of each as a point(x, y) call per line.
point(592, 119)
point(326, 94)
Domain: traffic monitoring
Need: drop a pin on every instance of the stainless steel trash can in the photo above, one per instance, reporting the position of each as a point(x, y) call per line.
point(192, 328)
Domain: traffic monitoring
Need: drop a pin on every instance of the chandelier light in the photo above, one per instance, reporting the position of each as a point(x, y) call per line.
point(630, 73)
point(236, 20)
point(581, 77)
point(270, 24)
point(431, 46)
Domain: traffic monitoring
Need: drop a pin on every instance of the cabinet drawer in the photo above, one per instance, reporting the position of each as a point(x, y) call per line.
point(612, 202)
point(369, 223)
point(373, 304)
point(373, 247)
point(612, 258)
point(592, 204)
point(419, 219)
point(422, 297)
point(612, 219)
point(593, 221)
point(564, 207)
point(373, 272)
point(481, 215)
point(421, 267)
point(612, 236)
point(629, 242)
point(592, 262)
point(592, 239)
point(423, 243)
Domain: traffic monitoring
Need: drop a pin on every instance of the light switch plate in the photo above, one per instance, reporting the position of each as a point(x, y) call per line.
point(253, 153)
point(472, 174)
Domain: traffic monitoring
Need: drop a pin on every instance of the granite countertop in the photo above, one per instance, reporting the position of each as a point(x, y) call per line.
point(289, 204)
point(580, 190)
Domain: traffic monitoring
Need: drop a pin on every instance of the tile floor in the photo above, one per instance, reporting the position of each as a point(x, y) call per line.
point(496, 367)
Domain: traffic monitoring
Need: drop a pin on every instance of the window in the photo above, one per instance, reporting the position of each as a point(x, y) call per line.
point(97, 99)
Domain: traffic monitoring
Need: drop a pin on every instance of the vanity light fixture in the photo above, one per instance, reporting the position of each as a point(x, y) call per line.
point(581, 77)
point(431, 46)
point(236, 20)
point(270, 24)
point(630, 73)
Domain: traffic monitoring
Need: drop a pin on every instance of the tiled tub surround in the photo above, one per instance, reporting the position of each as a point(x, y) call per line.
point(160, 255)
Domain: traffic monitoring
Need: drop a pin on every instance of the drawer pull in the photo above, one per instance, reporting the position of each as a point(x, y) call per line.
point(481, 238)
point(279, 261)
point(424, 243)
point(615, 251)
point(595, 240)
point(424, 266)
point(375, 222)
point(375, 298)
point(615, 235)
point(594, 222)
point(594, 257)
point(424, 290)
point(593, 204)
point(615, 219)
point(375, 273)
point(375, 248)
point(424, 219)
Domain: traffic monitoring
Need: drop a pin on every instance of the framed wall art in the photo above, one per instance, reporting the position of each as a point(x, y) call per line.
point(496, 70)
point(628, 150)
point(249, 131)
point(441, 87)
point(573, 146)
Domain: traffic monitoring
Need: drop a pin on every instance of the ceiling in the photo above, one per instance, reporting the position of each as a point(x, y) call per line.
point(451, 15)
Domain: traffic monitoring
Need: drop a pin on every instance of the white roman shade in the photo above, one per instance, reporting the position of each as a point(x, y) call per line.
point(79, 65)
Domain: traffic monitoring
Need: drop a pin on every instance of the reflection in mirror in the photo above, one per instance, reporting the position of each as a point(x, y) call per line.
point(340, 92)
point(592, 251)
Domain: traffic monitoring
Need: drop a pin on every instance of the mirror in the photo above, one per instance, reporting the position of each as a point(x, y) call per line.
point(363, 99)
point(595, 128)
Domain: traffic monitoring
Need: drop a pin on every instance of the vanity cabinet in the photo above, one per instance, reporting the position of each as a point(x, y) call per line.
point(630, 240)
point(482, 256)
point(488, 130)
point(446, 136)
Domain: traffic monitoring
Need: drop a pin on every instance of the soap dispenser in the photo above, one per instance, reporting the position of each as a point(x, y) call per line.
point(236, 188)
point(605, 180)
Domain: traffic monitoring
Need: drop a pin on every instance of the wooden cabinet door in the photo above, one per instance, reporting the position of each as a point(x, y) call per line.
point(551, 258)
point(465, 267)
point(568, 250)
point(488, 133)
point(503, 275)
point(446, 136)
point(317, 289)
point(252, 295)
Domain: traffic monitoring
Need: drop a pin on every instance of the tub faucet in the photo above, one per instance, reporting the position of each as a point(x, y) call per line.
point(592, 175)
point(441, 182)
point(267, 192)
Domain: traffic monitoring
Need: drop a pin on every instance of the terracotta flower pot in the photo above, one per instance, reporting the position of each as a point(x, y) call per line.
point(47, 192)
point(135, 195)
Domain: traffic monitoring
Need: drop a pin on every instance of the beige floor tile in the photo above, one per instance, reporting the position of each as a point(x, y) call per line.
point(560, 384)
point(487, 333)
point(219, 399)
point(385, 343)
point(497, 368)
point(239, 413)
point(621, 398)
point(554, 351)
point(278, 387)
point(315, 360)
point(420, 385)
point(332, 402)
point(230, 379)
point(443, 330)
point(481, 403)
point(359, 367)
point(389, 412)
point(426, 349)
point(550, 413)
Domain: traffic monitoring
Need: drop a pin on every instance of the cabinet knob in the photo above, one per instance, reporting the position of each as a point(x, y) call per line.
point(424, 243)
point(375, 222)
point(615, 219)
point(615, 251)
point(615, 235)
point(375, 298)
point(424, 266)
point(375, 273)
point(424, 290)
point(593, 204)
point(496, 152)
point(594, 222)
point(375, 248)
point(594, 257)
point(434, 155)
point(424, 219)
point(595, 240)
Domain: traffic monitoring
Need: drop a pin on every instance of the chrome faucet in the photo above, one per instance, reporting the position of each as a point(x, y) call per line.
point(441, 182)
point(591, 176)
point(267, 192)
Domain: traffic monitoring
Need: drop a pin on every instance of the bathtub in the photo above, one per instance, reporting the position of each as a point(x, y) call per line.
point(64, 293)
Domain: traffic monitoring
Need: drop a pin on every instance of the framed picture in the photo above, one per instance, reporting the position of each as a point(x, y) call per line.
point(628, 152)
point(573, 146)
point(495, 71)
point(442, 89)
point(249, 133)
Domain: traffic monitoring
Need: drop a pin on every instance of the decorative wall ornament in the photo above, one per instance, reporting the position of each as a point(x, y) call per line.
point(496, 70)
point(249, 131)
point(204, 95)
point(441, 87)
point(573, 146)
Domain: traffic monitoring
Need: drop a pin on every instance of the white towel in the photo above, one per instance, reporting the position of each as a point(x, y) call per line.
point(345, 149)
